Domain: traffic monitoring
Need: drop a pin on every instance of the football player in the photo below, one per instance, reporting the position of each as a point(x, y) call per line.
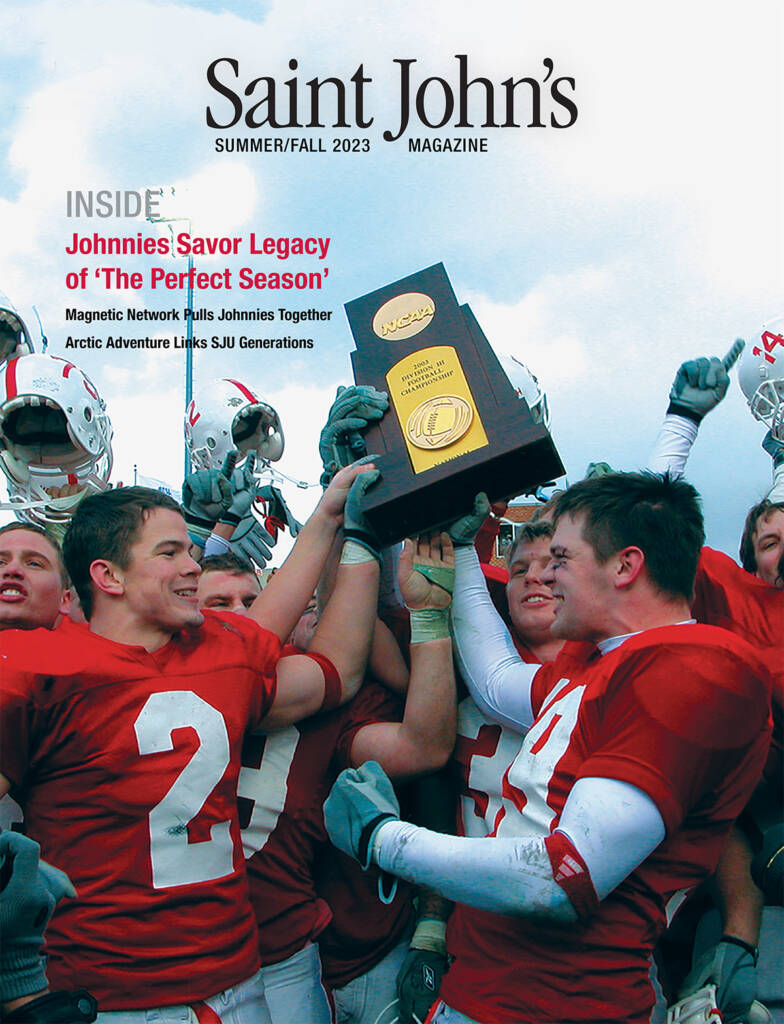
point(33, 586)
point(130, 728)
point(642, 743)
point(750, 602)
point(286, 775)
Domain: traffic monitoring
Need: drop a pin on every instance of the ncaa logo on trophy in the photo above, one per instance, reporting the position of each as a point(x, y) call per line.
point(455, 425)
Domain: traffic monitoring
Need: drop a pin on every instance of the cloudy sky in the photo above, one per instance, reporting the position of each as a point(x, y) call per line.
point(602, 254)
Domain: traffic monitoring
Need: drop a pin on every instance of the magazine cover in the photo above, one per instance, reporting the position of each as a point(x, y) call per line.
point(601, 182)
point(196, 197)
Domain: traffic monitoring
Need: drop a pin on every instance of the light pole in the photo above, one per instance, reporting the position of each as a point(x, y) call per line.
point(158, 219)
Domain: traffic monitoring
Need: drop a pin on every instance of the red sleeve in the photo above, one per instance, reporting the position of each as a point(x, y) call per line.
point(264, 652)
point(486, 537)
point(17, 714)
point(676, 723)
point(373, 703)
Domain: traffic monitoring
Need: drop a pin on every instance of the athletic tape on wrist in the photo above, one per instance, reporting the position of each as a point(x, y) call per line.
point(430, 933)
point(571, 872)
point(429, 624)
point(354, 553)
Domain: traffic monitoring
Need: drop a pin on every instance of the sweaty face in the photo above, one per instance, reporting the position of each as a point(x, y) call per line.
point(159, 584)
point(531, 602)
point(31, 590)
point(582, 586)
point(228, 591)
point(769, 547)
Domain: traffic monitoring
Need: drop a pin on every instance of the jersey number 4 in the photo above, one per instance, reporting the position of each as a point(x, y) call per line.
point(175, 860)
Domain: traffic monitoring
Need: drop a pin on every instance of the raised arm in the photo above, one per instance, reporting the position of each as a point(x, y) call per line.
point(333, 670)
point(699, 386)
point(424, 740)
point(279, 606)
point(497, 678)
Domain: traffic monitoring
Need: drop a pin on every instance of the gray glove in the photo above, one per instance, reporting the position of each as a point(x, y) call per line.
point(206, 495)
point(730, 965)
point(30, 890)
point(355, 525)
point(774, 448)
point(359, 803)
point(464, 530)
point(243, 490)
point(341, 441)
point(251, 541)
point(700, 384)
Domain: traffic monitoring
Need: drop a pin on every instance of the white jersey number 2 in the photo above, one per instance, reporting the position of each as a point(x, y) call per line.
point(175, 860)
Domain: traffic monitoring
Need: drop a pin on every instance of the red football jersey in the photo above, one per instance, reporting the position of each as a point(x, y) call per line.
point(126, 763)
point(681, 713)
point(726, 595)
point(363, 929)
point(285, 778)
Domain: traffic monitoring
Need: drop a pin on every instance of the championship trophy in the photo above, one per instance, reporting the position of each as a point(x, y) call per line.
point(455, 424)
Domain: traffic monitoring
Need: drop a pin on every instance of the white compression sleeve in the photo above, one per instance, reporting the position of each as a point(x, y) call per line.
point(672, 446)
point(625, 836)
point(497, 678)
point(613, 826)
point(502, 875)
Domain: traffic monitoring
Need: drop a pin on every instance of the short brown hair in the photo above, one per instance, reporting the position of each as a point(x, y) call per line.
point(762, 510)
point(106, 525)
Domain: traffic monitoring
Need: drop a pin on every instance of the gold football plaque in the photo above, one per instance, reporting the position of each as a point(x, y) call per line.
point(434, 407)
point(437, 422)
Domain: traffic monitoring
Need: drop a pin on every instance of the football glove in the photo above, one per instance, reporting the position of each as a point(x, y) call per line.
point(30, 890)
point(464, 530)
point(419, 979)
point(700, 384)
point(251, 541)
point(341, 441)
point(730, 965)
point(206, 495)
point(355, 525)
point(277, 510)
point(243, 490)
point(359, 803)
point(774, 448)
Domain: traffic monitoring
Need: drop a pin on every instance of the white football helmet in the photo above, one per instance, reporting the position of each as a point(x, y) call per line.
point(14, 335)
point(226, 416)
point(527, 387)
point(54, 433)
point(761, 375)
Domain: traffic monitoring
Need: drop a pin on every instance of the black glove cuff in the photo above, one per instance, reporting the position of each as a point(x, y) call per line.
point(56, 1008)
point(673, 409)
point(363, 846)
point(231, 518)
point(192, 520)
point(734, 941)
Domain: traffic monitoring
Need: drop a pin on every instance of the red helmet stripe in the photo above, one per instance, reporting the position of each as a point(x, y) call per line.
point(248, 394)
point(10, 378)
